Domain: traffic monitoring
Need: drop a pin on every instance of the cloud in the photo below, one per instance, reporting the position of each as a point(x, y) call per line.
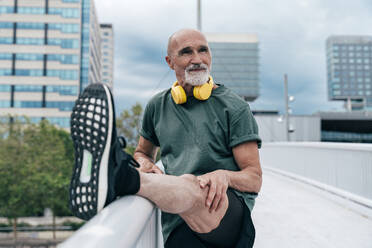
point(292, 38)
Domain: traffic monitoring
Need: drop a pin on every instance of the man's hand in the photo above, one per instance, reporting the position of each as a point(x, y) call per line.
point(148, 167)
point(145, 155)
point(218, 183)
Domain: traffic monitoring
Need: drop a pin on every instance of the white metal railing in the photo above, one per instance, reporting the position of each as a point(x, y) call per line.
point(342, 168)
point(131, 221)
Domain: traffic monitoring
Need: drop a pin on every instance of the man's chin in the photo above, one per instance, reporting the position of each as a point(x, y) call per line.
point(197, 81)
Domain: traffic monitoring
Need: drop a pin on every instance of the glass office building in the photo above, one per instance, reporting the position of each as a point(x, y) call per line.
point(49, 51)
point(107, 52)
point(349, 73)
point(235, 63)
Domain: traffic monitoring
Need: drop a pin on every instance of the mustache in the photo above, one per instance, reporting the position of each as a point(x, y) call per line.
point(196, 67)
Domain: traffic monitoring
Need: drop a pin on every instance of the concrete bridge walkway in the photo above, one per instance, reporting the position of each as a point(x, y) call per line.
point(290, 213)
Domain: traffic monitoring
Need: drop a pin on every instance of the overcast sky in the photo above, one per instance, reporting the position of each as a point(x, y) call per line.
point(291, 35)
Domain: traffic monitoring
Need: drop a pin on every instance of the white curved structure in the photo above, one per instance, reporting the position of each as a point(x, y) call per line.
point(341, 168)
point(131, 221)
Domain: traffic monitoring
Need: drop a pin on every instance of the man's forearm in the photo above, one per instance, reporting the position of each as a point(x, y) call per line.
point(246, 180)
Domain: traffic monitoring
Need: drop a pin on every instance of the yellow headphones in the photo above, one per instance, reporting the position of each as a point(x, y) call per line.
point(201, 92)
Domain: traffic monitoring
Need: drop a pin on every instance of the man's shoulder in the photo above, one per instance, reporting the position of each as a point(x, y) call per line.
point(159, 97)
point(232, 100)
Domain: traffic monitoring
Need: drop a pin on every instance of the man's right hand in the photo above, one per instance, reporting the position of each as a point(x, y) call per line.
point(152, 169)
point(145, 155)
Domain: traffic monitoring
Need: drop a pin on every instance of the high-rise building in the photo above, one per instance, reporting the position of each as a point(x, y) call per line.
point(49, 51)
point(235, 62)
point(107, 52)
point(349, 73)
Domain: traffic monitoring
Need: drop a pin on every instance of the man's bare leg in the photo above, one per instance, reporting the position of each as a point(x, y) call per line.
point(182, 195)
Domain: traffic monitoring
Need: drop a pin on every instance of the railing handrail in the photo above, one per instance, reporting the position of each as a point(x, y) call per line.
point(323, 145)
point(345, 167)
point(120, 224)
point(131, 221)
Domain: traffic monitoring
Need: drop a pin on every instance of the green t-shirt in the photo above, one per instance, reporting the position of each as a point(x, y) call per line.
point(197, 137)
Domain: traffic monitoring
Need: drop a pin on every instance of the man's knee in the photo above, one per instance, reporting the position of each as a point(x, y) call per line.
point(196, 193)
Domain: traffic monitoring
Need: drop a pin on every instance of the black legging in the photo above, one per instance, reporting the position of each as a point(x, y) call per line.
point(236, 226)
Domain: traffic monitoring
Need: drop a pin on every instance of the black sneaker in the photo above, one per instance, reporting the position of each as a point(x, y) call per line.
point(93, 133)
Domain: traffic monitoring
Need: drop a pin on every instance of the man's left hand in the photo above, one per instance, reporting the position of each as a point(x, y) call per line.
point(218, 183)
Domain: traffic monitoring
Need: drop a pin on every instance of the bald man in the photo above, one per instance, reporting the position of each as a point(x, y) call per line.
point(209, 143)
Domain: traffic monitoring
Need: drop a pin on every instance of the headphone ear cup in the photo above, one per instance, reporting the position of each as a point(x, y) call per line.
point(203, 92)
point(178, 94)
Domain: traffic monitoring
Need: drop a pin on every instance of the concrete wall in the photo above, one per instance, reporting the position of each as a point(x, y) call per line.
point(272, 128)
point(343, 168)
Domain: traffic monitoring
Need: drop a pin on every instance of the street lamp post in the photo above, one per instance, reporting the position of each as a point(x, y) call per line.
point(286, 106)
point(288, 99)
point(199, 15)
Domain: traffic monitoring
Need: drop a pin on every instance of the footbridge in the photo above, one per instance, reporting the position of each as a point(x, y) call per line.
point(313, 195)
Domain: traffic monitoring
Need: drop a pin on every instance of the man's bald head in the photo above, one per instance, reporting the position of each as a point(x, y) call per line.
point(172, 41)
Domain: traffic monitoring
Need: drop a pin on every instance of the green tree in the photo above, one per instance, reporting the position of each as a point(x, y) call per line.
point(35, 168)
point(51, 155)
point(17, 196)
point(128, 124)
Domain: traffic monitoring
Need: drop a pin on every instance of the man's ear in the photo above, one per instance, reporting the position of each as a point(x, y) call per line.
point(169, 62)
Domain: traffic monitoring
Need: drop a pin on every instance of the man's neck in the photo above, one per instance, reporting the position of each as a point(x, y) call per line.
point(189, 89)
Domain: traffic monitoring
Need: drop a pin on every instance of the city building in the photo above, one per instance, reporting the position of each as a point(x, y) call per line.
point(349, 73)
point(107, 52)
point(353, 126)
point(236, 62)
point(49, 51)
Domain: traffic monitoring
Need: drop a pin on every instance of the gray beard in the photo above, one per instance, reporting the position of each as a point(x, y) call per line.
point(196, 78)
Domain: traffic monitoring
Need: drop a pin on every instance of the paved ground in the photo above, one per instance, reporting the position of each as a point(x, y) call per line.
point(289, 214)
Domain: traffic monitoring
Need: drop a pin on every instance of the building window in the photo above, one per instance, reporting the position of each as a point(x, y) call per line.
point(65, 27)
point(5, 72)
point(29, 56)
point(64, 43)
point(6, 9)
point(64, 58)
point(106, 34)
point(28, 88)
point(31, 10)
point(63, 89)
point(6, 56)
point(336, 80)
point(29, 41)
point(63, 106)
point(30, 25)
point(4, 103)
point(63, 74)
point(6, 40)
point(6, 25)
point(4, 88)
point(65, 12)
point(27, 104)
